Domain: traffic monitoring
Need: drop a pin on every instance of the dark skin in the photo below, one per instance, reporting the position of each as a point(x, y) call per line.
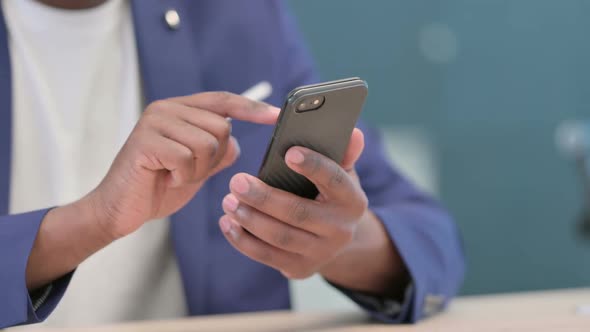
point(332, 235)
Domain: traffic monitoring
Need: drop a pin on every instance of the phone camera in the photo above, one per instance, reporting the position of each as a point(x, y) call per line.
point(310, 103)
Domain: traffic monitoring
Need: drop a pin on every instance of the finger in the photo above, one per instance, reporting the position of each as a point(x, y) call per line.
point(169, 155)
point(333, 182)
point(232, 153)
point(216, 125)
point(355, 148)
point(269, 229)
point(296, 211)
point(231, 105)
point(202, 144)
point(212, 123)
point(256, 249)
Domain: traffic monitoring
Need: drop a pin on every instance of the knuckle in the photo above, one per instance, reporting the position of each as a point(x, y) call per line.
point(348, 235)
point(284, 238)
point(186, 159)
point(299, 211)
point(211, 146)
point(222, 96)
point(315, 163)
point(157, 106)
point(361, 205)
point(143, 158)
point(264, 255)
point(260, 197)
point(184, 170)
point(185, 156)
point(343, 234)
point(336, 176)
point(147, 120)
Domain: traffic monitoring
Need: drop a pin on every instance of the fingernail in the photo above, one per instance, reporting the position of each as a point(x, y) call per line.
point(228, 120)
point(295, 156)
point(228, 226)
point(238, 148)
point(240, 185)
point(225, 225)
point(230, 203)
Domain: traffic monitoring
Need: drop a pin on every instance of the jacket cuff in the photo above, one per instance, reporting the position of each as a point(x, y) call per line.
point(383, 309)
point(17, 236)
point(42, 302)
point(415, 244)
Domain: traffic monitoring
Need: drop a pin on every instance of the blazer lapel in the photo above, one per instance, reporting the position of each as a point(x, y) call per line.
point(5, 117)
point(169, 65)
point(168, 57)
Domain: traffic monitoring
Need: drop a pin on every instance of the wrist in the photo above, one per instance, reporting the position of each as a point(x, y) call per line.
point(375, 275)
point(340, 264)
point(100, 222)
point(66, 237)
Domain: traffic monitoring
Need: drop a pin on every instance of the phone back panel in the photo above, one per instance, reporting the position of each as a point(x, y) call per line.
point(326, 130)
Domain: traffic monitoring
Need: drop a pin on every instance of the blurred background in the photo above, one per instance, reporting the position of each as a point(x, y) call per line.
point(470, 95)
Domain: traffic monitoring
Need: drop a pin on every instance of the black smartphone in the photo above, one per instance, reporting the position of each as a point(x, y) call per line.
point(320, 117)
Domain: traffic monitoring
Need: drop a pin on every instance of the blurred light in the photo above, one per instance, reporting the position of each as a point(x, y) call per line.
point(438, 43)
point(572, 137)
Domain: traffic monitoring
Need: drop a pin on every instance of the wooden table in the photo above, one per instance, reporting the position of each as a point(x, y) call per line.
point(564, 311)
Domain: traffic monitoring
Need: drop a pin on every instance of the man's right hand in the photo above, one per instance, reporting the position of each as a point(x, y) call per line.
point(175, 147)
point(177, 144)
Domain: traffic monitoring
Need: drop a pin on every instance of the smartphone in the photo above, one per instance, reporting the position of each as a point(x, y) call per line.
point(320, 117)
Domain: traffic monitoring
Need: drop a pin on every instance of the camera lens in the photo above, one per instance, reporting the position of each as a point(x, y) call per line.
point(310, 103)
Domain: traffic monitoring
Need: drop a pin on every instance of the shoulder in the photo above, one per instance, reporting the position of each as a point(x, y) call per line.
point(251, 26)
point(241, 43)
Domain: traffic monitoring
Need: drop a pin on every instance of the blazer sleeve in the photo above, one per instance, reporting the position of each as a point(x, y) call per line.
point(419, 227)
point(17, 305)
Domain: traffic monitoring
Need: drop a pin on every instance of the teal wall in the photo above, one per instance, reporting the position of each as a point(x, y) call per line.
point(490, 81)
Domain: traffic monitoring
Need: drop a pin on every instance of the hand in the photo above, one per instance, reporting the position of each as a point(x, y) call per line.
point(294, 235)
point(177, 144)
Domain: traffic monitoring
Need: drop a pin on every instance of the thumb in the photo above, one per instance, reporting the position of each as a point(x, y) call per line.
point(354, 150)
point(231, 155)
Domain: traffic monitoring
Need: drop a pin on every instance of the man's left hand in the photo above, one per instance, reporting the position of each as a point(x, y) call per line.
point(294, 235)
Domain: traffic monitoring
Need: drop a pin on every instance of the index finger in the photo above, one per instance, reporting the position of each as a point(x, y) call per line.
point(227, 104)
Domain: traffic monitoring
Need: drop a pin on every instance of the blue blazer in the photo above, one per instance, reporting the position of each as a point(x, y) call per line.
point(232, 45)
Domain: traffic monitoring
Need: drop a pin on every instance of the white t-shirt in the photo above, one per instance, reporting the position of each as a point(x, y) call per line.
point(76, 97)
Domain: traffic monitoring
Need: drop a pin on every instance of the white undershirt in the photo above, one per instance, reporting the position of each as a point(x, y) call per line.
point(76, 97)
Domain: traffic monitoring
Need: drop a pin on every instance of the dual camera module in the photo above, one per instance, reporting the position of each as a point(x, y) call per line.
point(310, 103)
